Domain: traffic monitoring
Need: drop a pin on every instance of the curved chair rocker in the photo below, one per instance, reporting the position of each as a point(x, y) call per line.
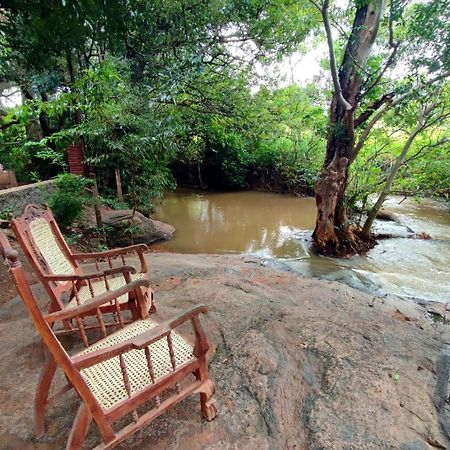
point(117, 375)
point(59, 271)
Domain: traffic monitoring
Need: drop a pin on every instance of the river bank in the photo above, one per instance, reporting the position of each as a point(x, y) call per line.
point(299, 363)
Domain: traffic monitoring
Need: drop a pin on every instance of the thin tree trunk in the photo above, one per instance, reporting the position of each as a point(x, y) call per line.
point(200, 179)
point(119, 185)
point(43, 119)
point(72, 78)
point(98, 212)
point(388, 185)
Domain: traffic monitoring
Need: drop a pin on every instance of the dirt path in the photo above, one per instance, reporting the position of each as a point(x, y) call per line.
point(299, 363)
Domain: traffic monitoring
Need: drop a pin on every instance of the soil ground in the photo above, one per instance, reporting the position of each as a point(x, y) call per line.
point(298, 363)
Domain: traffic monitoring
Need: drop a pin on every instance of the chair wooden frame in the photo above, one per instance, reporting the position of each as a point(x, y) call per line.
point(91, 409)
point(58, 285)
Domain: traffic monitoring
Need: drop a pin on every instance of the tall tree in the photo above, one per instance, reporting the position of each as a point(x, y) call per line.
point(361, 96)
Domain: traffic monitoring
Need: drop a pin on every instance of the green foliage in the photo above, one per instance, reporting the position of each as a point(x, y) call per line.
point(228, 156)
point(120, 130)
point(6, 213)
point(429, 35)
point(113, 203)
point(22, 146)
point(290, 138)
point(52, 156)
point(12, 154)
point(428, 175)
point(69, 198)
point(273, 140)
point(426, 170)
point(160, 90)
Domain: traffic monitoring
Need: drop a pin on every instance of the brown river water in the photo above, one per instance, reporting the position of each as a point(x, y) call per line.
point(275, 226)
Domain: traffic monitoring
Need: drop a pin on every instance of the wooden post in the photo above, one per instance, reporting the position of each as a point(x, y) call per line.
point(98, 213)
point(119, 185)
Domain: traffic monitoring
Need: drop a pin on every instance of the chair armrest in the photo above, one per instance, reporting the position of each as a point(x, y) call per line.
point(72, 277)
point(90, 276)
point(116, 251)
point(5, 247)
point(121, 269)
point(140, 249)
point(149, 337)
point(95, 302)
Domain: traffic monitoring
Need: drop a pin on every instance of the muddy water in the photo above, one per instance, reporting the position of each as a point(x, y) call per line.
point(277, 226)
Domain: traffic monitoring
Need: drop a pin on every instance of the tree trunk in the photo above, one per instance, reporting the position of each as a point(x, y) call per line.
point(329, 188)
point(72, 78)
point(388, 185)
point(333, 234)
point(44, 122)
point(118, 184)
point(199, 172)
point(98, 212)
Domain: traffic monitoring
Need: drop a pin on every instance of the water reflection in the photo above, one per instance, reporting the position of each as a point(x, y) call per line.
point(244, 222)
point(273, 225)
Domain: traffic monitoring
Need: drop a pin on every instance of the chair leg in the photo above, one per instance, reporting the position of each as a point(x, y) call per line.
point(42, 396)
point(80, 428)
point(207, 403)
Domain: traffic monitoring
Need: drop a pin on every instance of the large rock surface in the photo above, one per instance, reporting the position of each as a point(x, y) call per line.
point(299, 363)
point(128, 228)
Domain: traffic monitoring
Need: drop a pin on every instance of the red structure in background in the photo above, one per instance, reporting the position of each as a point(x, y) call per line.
point(75, 156)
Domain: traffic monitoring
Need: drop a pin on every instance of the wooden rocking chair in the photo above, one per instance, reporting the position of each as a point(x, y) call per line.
point(59, 271)
point(140, 363)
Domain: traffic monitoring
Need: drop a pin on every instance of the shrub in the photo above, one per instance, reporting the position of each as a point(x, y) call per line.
point(68, 200)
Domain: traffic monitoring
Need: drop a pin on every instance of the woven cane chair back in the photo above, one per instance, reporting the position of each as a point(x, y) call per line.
point(45, 247)
point(56, 261)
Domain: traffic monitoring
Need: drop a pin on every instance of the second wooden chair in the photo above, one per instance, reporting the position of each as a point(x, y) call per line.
point(68, 284)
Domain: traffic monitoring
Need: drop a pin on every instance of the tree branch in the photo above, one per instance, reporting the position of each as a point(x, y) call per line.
point(390, 180)
point(365, 134)
point(392, 104)
point(382, 71)
point(364, 116)
point(442, 141)
point(333, 66)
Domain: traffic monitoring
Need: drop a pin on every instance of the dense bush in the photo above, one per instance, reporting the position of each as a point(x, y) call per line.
point(275, 141)
point(68, 200)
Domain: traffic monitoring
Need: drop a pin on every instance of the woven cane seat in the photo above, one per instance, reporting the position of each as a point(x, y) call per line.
point(99, 287)
point(105, 379)
point(47, 245)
